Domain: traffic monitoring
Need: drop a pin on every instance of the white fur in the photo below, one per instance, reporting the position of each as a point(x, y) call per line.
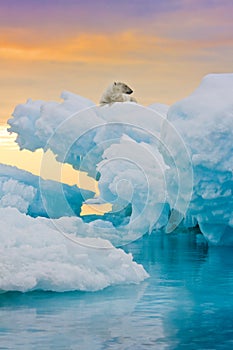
point(116, 92)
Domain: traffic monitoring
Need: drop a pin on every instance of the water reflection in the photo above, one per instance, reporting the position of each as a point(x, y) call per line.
point(190, 290)
point(186, 304)
point(67, 320)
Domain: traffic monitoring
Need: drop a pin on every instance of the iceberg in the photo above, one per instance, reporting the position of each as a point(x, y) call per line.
point(35, 256)
point(158, 166)
point(110, 143)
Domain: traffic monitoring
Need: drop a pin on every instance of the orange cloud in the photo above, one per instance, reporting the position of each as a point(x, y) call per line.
point(158, 68)
point(127, 47)
point(85, 47)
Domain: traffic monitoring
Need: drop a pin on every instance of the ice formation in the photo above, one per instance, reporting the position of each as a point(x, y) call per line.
point(33, 255)
point(156, 165)
point(22, 190)
point(50, 253)
point(114, 141)
point(205, 123)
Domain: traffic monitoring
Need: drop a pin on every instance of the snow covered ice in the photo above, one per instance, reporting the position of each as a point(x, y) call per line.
point(34, 255)
point(205, 123)
point(95, 140)
point(159, 167)
point(54, 253)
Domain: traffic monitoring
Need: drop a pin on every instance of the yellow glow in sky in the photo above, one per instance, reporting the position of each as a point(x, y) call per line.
point(31, 161)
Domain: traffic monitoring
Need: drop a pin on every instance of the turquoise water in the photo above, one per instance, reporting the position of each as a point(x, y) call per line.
point(187, 303)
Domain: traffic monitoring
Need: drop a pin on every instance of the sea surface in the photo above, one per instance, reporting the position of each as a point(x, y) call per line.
point(187, 303)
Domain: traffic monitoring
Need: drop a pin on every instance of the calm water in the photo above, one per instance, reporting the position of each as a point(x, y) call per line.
point(186, 304)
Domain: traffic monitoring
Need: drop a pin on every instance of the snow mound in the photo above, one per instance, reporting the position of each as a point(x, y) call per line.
point(35, 256)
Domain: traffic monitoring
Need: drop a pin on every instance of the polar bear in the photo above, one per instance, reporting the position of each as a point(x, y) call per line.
point(117, 92)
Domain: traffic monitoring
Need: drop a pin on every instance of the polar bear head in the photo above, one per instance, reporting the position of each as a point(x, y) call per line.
point(122, 88)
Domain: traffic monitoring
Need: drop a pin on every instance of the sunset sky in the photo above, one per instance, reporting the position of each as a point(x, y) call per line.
point(162, 49)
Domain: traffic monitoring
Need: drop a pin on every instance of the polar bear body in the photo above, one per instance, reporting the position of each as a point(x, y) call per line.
point(117, 92)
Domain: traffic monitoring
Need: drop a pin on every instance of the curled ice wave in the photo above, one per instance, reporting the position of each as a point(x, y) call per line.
point(35, 256)
point(117, 144)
